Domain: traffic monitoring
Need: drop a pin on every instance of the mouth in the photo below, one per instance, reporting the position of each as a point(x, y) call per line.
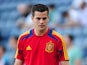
point(41, 26)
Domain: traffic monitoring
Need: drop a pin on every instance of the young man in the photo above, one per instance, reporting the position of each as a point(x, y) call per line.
point(41, 45)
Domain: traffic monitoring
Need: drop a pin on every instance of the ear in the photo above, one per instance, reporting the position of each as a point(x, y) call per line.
point(32, 18)
point(48, 17)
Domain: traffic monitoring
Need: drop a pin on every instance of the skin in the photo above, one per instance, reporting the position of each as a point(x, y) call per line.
point(18, 62)
point(64, 63)
point(40, 20)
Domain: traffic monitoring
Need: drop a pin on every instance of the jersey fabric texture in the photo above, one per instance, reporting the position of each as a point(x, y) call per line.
point(48, 49)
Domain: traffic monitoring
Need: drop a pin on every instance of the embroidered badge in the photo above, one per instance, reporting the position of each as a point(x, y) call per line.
point(49, 47)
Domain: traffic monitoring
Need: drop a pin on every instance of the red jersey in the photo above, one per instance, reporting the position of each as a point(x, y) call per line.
point(48, 49)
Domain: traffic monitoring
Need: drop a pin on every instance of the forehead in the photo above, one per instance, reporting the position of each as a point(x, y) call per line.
point(40, 14)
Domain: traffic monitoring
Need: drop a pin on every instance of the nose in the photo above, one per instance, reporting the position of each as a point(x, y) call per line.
point(41, 21)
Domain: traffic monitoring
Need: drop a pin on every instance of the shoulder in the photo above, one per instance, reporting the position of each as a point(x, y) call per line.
point(24, 35)
point(57, 35)
point(22, 39)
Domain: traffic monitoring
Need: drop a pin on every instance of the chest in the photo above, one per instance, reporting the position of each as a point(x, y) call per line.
point(40, 45)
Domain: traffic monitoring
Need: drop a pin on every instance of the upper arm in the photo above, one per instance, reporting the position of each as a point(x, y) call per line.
point(18, 62)
point(61, 47)
point(62, 51)
point(19, 51)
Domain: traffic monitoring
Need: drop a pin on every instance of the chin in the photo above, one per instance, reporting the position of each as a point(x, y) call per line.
point(41, 29)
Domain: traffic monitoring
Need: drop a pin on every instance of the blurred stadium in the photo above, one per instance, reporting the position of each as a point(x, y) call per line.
point(68, 17)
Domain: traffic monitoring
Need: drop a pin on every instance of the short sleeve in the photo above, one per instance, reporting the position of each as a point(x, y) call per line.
point(62, 51)
point(19, 51)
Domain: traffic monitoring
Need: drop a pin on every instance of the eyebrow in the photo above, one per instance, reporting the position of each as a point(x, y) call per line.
point(44, 18)
point(41, 18)
point(38, 18)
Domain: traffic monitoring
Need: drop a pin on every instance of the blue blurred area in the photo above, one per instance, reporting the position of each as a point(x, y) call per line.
point(9, 16)
point(9, 13)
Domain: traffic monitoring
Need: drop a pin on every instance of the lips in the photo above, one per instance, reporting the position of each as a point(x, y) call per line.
point(41, 26)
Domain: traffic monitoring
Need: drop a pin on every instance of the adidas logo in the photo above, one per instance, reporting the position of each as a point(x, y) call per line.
point(28, 48)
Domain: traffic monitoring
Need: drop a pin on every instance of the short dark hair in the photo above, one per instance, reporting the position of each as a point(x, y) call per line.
point(40, 8)
point(52, 6)
point(71, 37)
point(65, 13)
point(14, 37)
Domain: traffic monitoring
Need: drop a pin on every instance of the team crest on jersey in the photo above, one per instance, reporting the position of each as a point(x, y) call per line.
point(49, 47)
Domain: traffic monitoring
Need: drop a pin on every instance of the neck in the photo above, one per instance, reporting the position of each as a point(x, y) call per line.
point(40, 32)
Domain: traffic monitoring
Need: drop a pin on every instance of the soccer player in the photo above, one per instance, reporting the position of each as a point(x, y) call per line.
point(41, 45)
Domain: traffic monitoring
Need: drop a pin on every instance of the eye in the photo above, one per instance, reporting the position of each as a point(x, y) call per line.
point(38, 18)
point(44, 18)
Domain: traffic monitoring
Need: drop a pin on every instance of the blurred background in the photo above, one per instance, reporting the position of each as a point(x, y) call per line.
point(68, 17)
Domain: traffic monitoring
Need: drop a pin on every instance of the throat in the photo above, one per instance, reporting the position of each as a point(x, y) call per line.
point(40, 32)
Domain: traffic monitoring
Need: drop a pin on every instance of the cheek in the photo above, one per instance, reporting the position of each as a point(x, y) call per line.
point(35, 23)
point(46, 21)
